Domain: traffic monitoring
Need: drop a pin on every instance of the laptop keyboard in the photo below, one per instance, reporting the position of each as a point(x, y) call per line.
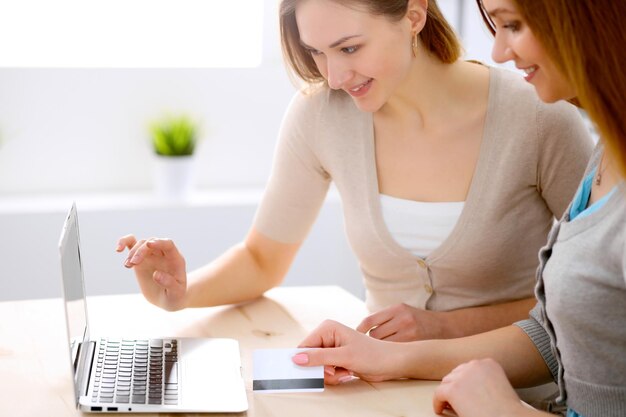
point(136, 372)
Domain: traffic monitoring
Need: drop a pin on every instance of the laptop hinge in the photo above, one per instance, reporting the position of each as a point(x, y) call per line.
point(85, 362)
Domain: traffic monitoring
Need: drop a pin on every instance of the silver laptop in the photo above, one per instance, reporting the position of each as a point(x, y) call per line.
point(129, 374)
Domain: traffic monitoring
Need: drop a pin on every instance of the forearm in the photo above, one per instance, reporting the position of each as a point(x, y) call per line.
point(532, 412)
point(232, 278)
point(243, 273)
point(524, 410)
point(509, 346)
point(474, 320)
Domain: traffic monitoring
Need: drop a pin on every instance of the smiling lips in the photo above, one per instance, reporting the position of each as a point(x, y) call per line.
point(530, 72)
point(360, 89)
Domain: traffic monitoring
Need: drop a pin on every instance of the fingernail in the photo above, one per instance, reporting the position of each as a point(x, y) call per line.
point(346, 378)
point(119, 247)
point(134, 259)
point(330, 370)
point(301, 359)
point(127, 263)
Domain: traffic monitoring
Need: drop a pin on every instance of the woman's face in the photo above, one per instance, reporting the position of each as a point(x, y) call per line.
point(365, 55)
point(516, 42)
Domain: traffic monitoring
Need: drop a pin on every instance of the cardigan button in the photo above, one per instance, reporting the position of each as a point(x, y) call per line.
point(422, 263)
point(428, 288)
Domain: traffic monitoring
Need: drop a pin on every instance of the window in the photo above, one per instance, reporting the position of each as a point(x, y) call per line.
point(131, 33)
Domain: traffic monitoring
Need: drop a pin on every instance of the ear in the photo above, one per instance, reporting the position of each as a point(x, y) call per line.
point(416, 14)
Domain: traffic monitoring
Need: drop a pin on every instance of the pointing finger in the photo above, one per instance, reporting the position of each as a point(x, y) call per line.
point(124, 242)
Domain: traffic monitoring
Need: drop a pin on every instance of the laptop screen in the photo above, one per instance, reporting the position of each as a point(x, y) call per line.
point(73, 292)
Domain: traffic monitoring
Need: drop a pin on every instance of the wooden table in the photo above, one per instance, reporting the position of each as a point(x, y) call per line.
point(34, 363)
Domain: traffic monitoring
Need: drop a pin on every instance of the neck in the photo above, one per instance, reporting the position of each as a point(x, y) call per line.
point(433, 92)
point(607, 176)
point(612, 168)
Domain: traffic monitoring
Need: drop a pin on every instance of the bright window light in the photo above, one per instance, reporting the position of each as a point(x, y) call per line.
point(131, 33)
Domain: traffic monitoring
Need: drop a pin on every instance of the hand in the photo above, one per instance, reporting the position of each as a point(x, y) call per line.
point(477, 388)
point(347, 353)
point(160, 270)
point(403, 323)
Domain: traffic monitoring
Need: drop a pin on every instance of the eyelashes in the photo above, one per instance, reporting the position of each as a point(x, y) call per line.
point(512, 26)
point(348, 50)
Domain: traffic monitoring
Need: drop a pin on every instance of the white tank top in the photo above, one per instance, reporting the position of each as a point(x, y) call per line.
point(419, 227)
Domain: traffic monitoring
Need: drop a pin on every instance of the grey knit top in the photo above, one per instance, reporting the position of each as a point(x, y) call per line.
point(579, 322)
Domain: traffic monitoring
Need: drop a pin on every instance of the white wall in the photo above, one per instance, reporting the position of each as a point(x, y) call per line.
point(85, 129)
point(203, 228)
point(80, 134)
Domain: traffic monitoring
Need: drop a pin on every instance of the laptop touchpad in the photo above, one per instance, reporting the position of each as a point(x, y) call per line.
point(211, 373)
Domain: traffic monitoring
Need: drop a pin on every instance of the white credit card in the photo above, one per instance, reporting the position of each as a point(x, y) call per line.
point(274, 371)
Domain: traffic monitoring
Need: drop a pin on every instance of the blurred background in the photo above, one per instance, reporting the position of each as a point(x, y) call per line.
point(79, 87)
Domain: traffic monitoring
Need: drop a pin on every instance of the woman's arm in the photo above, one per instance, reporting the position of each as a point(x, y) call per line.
point(403, 323)
point(474, 320)
point(345, 352)
point(244, 272)
point(509, 346)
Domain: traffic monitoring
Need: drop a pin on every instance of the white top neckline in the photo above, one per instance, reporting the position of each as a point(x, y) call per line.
point(419, 227)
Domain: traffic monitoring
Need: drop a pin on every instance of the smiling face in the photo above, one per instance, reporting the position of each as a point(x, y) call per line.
point(514, 41)
point(367, 56)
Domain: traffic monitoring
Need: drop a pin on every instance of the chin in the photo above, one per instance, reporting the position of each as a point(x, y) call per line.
point(549, 96)
point(552, 94)
point(367, 106)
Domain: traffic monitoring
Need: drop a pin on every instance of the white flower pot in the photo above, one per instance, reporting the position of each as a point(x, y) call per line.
point(173, 177)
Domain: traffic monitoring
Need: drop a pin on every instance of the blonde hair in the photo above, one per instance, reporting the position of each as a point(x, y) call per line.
point(437, 36)
point(585, 39)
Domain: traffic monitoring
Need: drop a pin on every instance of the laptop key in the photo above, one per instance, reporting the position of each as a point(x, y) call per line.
point(139, 399)
point(171, 373)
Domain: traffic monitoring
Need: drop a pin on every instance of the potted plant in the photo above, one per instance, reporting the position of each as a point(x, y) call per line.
point(174, 140)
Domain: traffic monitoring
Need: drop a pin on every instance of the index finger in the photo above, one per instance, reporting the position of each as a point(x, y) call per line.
point(127, 242)
point(166, 246)
point(322, 336)
point(374, 320)
point(322, 356)
point(440, 403)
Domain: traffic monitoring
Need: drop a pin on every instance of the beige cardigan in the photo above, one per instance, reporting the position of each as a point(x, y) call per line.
point(531, 160)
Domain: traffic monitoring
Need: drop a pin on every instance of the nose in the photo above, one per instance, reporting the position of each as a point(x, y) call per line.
point(501, 51)
point(337, 74)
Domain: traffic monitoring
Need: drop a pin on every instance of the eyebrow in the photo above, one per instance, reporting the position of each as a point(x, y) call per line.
point(499, 10)
point(332, 45)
